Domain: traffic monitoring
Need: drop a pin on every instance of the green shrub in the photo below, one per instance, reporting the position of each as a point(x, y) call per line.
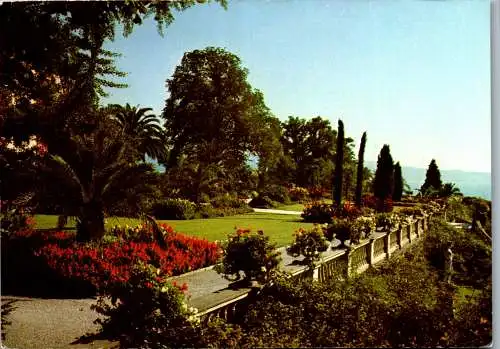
point(208, 211)
point(263, 202)
point(472, 256)
point(276, 193)
point(250, 253)
point(309, 243)
point(174, 209)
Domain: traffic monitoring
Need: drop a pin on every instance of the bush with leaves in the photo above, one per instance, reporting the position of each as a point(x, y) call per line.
point(388, 221)
point(472, 255)
point(402, 305)
point(248, 252)
point(146, 311)
point(318, 212)
point(276, 193)
point(299, 194)
point(309, 243)
point(174, 209)
point(263, 202)
point(346, 210)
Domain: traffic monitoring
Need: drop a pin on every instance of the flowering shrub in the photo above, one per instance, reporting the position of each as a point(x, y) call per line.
point(250, 253)
point(385, 205)
point(369, 201)
point(111, 263)
point(316, 193)
point(308, 243)
point(318, 212)
point(347, 210)
point(146, 311)
point(174, 209)
point(298, 194)
point(388, 222)
point(54, 260)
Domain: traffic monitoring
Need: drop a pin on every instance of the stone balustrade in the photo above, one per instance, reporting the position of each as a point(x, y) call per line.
point(336, 262)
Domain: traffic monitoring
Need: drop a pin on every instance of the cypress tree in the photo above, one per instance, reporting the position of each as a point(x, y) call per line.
point(383, 184)
point(359, 174)
point(339, 165)
point(432, 178)
point(398, 183)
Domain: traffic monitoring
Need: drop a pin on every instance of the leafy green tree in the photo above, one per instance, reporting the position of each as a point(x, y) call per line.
point(398, 183)
point(359, 174)
point(144, 128)
point(339, 163)
point(383, 183)
point(213, 117)
point(432, 178)
point(308, 145)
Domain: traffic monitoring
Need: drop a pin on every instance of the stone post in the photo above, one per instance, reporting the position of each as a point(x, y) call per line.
point(400, 236)
point(371, 252)
point(348, 262)
point(417, 227)
point(387, 243)
point(315, 272)
point(409, 229)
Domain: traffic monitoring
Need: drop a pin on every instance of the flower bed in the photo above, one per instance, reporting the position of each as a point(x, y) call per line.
point(59, 258)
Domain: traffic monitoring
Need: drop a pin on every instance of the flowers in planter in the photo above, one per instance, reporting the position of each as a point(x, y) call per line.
point(361, 228)
point(248, 252)
point(308, 243)
point(388, 222)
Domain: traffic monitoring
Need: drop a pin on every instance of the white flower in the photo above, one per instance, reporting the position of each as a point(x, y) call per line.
point(163, 289)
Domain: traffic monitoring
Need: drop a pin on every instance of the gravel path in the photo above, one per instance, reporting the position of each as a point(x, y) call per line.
point(50, 323)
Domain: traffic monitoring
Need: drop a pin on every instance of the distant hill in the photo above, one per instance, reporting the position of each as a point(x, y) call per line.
point(469, 183)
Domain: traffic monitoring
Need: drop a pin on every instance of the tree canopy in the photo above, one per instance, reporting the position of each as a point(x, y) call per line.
point(213, 117)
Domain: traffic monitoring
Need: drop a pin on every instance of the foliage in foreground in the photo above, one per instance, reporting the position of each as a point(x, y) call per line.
point(403, 304)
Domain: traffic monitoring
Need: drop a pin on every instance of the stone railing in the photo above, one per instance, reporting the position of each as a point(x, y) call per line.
point(339, 263)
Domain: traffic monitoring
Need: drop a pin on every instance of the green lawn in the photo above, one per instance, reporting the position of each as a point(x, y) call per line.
point(278, 227)
point(298, 206)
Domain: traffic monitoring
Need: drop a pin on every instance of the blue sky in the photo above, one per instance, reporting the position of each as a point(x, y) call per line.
point(413, 74)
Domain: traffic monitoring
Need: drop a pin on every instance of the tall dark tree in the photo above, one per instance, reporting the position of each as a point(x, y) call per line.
point(383, 183)
point(339, 165)
point(213, 117)
point(359, 173)
point(432, 178)
point(398, 183)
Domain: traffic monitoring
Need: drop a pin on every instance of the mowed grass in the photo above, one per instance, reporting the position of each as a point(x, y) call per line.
point(299, 206)
point(278, 227)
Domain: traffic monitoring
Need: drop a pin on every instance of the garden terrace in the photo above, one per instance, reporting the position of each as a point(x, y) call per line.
point(213, 295)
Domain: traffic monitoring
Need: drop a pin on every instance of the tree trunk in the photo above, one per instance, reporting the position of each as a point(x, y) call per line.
point(91, 222)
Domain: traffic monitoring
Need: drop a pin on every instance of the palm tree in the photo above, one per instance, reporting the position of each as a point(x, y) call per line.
point(143, 127)
point(449, 189)
point(96, 171)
